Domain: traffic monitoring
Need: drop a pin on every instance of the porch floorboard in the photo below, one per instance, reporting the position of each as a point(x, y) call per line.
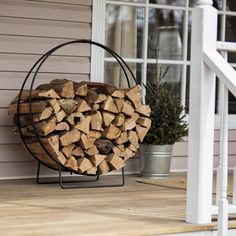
point(135, 209)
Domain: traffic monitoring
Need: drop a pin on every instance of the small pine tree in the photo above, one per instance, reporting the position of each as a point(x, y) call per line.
point(168, 124)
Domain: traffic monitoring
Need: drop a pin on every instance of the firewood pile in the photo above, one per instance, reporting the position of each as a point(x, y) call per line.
point(89, 128)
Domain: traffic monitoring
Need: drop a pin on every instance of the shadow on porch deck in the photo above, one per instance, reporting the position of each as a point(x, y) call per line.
point(135, 209)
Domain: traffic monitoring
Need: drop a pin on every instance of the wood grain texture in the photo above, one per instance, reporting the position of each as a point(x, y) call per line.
point(135, 209)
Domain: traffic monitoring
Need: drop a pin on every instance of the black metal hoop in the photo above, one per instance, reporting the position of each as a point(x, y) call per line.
point(37, 65)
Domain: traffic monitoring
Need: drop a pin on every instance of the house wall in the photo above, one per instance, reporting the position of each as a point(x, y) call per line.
point(27, 30)
point(30, 28)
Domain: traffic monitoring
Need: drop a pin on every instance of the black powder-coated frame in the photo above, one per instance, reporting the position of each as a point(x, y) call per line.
point(61, 168)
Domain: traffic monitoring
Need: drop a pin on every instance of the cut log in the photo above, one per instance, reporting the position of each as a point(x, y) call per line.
point(96, 121)
point(62, 126)
point(104, 146)
point(101, 98)
point(141, 131)
point(70, 137)
point(101, 87)
point(119, 103)
point(143, 121)
point(64, 88)
point(97, 159)
point(115, 162)
point(77, 151)
point(111, 132)
point(91, 96)
point(25, 119)
point(35, 94)
point(67, 105)
point(92, 151)
point(127, 109)
point(55, 105)
point(67, 150)
point(133, 138)
point(37, 107)
point(71, 163)
point(134, 95)
point(94, 135)
point(92, 171)
point(122, 139)
point(82, 105)
point(119, 119)
point(84, 164)
point(109, 105)
point(81, 89)
point(83, 125)
point(144, 110)
point(107, 118)
point(127, 154)
point(85, 142)
point(103, 167)
point(134, 116)
point(118, 94)
point(95, 107)
point(60, 115)
point(132, 148)
point(128, 124)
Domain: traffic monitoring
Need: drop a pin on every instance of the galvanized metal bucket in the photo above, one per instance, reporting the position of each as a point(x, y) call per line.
point(155, 160)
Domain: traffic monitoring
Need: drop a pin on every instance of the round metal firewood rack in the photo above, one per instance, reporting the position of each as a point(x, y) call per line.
point(61, 168)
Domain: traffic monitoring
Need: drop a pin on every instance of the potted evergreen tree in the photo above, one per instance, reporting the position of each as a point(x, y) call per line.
point(168, 126)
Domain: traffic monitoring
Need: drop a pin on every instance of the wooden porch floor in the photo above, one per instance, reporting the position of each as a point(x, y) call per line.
point(135, 209)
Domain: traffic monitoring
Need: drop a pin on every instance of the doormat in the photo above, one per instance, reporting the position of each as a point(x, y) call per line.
point(181, 183)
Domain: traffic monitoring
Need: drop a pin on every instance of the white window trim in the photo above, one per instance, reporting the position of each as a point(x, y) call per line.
point(98, 35)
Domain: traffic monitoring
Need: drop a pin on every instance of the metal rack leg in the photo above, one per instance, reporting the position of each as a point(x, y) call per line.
point(73, 184)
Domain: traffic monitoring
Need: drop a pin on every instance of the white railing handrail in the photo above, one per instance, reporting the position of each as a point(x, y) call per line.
point(226, 46)
point(221, 68)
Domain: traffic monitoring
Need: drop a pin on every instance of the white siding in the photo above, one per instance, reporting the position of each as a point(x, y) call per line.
point(29, 29)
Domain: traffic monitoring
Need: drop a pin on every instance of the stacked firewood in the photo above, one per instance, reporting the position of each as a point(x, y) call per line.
point(87, 127)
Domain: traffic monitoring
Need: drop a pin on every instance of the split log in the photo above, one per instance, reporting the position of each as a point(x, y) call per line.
point(107, 118)
point(122, 139)
point(67, 150)
point(115, 162)
point(118, 93)
point(129, 124)
point(101, 98)
point(97, 159)
point(67, 105)
point(82, 105)
point(134, 95)
point(64, 88)
point(60, 115)
point(70, 137)
point(119, 103)
point(84, 124)
point(144, 110)
point(103, 167)
point(78, 152)
point(143, 121)
point(111, 132)
point(62, 126)
point(55, 105)
point(133, 138)
point(96, 121)
point(92, 151)
point(36, 107)
point(85, 142)
point(71, 163)
point(91, 96)
point(94, 135)
point(141, 131)
point(80, 89)
point(84, 164)
point(92, 171)
point(119, 119)
point(127, 109)
point(109, 105)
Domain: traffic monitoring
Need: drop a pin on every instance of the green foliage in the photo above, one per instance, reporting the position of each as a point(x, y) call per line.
point(168, 124)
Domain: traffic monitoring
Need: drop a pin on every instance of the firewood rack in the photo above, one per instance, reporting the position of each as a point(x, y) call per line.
point(78, 182)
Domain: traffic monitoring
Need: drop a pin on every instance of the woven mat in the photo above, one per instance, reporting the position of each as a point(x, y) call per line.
point(181, 183)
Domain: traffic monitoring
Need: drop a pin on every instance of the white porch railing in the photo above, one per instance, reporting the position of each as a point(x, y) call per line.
point(206, 63)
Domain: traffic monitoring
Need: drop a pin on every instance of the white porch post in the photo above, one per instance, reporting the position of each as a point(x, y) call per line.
point(201, 116)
